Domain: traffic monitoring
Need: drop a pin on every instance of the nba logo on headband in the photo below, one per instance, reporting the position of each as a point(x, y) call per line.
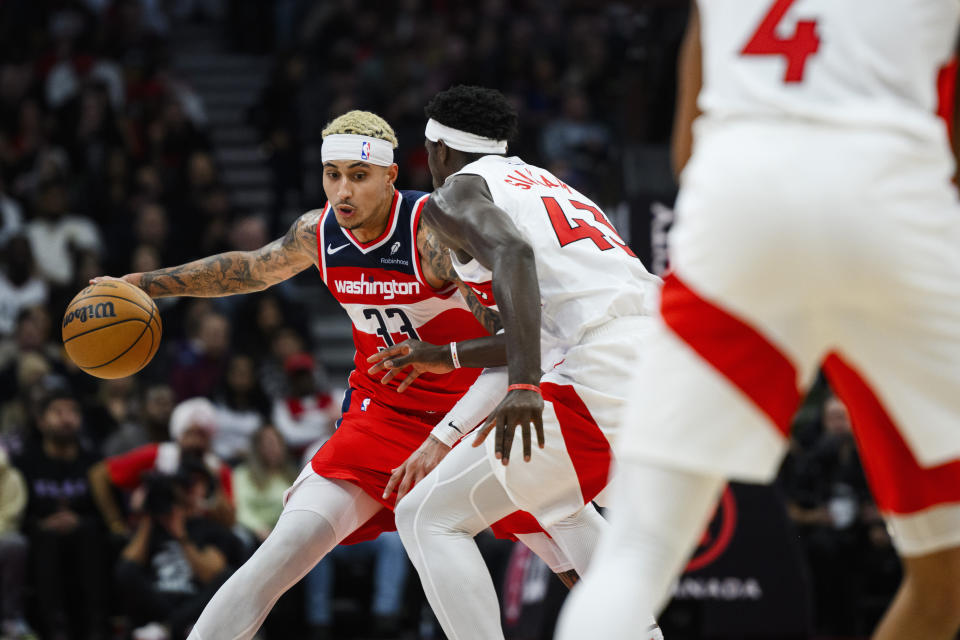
point(364, 150)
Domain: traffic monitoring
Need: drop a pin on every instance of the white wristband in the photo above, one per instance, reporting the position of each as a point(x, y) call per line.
point(454, 356)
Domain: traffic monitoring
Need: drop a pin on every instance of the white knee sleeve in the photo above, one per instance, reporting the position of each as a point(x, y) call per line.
point(578, 536)
point(547, 550)
point(319, 513)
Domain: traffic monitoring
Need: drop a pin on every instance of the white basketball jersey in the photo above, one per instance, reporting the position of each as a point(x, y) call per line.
point(587, 273)
point(849, 62)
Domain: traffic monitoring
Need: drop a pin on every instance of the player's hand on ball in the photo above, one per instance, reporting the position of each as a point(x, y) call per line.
point(520, 408)
point(415, 355)
point(132, 278)
point(421, 462)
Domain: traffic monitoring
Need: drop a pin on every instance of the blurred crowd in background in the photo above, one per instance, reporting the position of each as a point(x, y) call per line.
point(125, 503)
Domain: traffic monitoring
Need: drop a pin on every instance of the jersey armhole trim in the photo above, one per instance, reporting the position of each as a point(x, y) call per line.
point(322, 262)
point(415, 250)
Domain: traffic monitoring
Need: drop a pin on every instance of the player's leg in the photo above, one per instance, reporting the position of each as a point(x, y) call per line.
point(642, 553)
point(437, 522)
point(927, 604)
point(318, 515)
point(578, 536)
point(921, 506)
point(697, 414)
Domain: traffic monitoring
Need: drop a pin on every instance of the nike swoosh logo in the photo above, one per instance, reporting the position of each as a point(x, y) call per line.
point(455, 427)
point(331, 250)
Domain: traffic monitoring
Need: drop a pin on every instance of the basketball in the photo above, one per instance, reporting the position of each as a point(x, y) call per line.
point(111, 329)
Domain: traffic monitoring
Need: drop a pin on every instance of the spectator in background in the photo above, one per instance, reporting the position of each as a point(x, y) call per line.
point(576, 141)
point(259, 483)
point(156, 405)
point(192, 427)
point(110, 409)
point(11, 214)
point(56, 236)
point(202, 362)
point(277, 116)
point(20, 286)
point(61, 521)
point(283, 342)
point(177, 558)
point(306, 416)
point(13, 553)
point(241, 407)
point(25, 360)
point(829, 501)
point(151, 229)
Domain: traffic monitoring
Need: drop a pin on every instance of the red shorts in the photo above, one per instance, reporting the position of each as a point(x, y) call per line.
point(373, 439)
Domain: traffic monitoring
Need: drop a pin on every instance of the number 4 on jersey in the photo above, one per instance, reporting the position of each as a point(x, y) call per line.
point(796, 49)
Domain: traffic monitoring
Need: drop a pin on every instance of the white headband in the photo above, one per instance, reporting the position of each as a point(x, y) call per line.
point(347, 146)
point(461, 140)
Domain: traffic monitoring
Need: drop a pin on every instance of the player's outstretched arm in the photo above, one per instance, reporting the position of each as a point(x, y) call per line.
point(414, 357)
point(465, 218)
point(235, 272)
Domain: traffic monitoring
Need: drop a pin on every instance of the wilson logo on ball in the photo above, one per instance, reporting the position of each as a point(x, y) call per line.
point(90, 312)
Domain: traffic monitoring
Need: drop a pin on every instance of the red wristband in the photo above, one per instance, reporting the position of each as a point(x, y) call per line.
point(524, 387)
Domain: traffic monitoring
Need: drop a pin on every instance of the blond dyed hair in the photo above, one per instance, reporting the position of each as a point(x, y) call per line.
point(361, 123)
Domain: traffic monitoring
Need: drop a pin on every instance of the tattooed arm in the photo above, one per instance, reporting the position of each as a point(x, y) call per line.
point(237, 271)
point(438, 270)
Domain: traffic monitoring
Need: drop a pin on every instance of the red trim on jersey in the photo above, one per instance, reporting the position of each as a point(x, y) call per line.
point(322, 261)
point(484, 292)
point(588, 448)
point(445, 291)
point(947, 93)
point(735, 349)
point(387, 232)
point(900, 485)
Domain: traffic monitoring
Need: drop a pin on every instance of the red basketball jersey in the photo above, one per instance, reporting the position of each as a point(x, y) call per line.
point(381, 287)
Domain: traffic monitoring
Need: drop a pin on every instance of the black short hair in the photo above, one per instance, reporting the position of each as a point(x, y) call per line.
point(478, 110)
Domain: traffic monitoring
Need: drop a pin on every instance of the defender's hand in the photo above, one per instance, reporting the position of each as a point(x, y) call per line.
point(520, 408)
point(132, 278)
point(419, 357)
point(421, 462)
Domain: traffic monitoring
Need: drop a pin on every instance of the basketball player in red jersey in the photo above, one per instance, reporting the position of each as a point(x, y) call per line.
point(817, 227)
point(395, 282)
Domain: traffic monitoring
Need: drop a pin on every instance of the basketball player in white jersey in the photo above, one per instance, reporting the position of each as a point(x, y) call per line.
point(567, 287)
point(817, 227)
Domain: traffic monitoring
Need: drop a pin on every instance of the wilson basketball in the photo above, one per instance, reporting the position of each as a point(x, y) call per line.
point(111, 329)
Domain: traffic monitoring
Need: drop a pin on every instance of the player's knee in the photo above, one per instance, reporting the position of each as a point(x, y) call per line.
point(405, 514)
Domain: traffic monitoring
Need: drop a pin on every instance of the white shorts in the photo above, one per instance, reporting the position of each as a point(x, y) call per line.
point(584, 397)
point(801, 246)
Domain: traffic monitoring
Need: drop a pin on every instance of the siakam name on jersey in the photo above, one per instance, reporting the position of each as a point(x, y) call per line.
point(389, 289)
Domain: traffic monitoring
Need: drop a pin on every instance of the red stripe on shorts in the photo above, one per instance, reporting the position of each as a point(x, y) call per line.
point(735, 349)
point(900, 485)
point(588, 448)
